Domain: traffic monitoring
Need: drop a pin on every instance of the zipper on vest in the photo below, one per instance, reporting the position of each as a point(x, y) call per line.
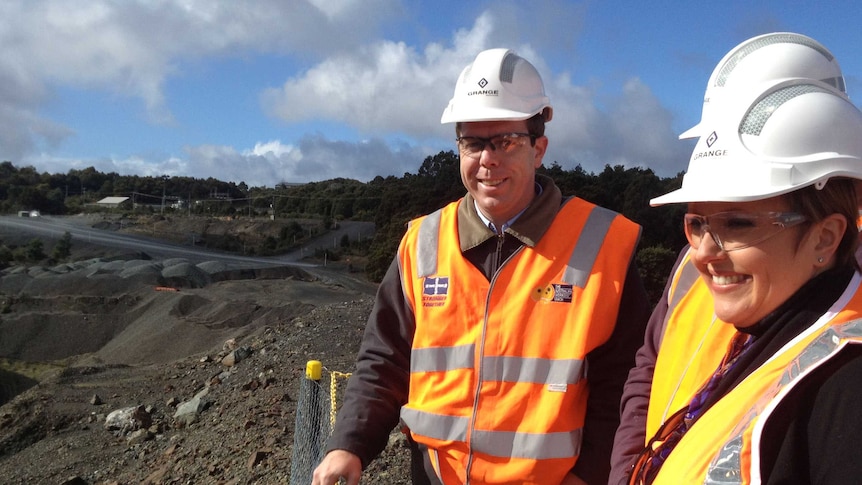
point(479, 374)
point(498, 254)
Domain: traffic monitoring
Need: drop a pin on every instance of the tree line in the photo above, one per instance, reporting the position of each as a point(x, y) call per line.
point(390, 202)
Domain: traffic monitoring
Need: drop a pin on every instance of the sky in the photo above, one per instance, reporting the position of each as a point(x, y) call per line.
point(272, 91)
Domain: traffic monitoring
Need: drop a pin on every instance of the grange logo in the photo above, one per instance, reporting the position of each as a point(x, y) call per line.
point(486, 92)
point(713, 137)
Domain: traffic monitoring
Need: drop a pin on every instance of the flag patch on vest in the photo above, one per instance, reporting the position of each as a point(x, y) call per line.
point(434, 290)
point(557, 292)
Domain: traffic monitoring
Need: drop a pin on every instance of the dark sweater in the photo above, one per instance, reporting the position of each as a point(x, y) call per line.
point(379, 387)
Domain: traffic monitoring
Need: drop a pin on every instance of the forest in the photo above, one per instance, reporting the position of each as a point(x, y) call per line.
point(390, 202)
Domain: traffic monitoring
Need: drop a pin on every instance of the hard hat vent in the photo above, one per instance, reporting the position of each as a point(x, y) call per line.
point(788, 38)
point(507, 68)
point(759, 114)
point(837, 83)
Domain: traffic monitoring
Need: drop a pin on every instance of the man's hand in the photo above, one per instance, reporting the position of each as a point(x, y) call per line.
point(338, 464)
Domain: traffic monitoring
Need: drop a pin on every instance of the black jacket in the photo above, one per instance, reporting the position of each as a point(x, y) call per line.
point(379, 386)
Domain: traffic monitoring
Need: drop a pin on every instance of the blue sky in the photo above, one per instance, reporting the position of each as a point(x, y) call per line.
point(273, 91)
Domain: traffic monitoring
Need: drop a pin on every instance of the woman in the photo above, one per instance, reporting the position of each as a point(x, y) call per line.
point(656, 388)
point(771, 222)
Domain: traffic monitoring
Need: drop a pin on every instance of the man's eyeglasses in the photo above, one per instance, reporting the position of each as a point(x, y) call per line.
point(472, 146)
point(738, 230)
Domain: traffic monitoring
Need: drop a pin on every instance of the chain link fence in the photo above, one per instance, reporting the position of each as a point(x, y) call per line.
point(315, 416)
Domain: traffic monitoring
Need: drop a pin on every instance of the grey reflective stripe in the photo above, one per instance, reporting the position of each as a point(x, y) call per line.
point(533, 446)
point(532, 370)
point(439, 359)
point(726, 466)
point(498, 368)
point(581, 260)
point(504, 444)
point(688, 276)
point(437, 426)
point(426, 246)
point(587, 247)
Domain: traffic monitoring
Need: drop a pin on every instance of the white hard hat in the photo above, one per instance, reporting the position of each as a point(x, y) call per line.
point(774, 139)
point(768, 57)
point(498, 85)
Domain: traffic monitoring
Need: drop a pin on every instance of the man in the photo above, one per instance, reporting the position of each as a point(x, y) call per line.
point(504, 329)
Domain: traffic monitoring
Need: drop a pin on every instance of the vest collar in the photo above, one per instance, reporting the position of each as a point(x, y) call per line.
point(528, 228)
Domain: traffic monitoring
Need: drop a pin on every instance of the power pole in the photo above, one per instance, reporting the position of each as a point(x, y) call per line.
point(164, 188)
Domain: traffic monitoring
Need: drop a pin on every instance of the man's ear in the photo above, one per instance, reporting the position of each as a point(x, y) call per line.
point(541, 147)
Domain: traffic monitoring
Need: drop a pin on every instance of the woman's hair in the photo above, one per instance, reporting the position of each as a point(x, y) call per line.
point(838, 196)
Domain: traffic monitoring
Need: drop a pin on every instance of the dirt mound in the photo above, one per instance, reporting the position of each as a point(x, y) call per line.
point(126, 345)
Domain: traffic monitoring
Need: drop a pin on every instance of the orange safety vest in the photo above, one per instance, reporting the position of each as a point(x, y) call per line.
point(723, 445)
point(690, 350)
point(498, 387)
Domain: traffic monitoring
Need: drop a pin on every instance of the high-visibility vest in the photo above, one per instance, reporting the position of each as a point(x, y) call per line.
point(498, 383)
point(723, 445)
point(691, 347)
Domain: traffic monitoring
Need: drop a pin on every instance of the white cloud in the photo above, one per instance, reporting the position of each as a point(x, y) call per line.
point(313, 158)
point(382, 89)
point(385, 88)
point(390, 87)
point(633, 130)
point(131, 48)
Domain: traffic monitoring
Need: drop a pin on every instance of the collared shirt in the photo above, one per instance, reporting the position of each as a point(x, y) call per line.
point(508, 223)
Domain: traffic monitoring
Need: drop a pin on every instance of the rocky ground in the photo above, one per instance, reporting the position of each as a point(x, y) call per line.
point(230, 355)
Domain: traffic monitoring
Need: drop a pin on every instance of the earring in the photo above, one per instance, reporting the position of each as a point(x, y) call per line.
point(820, 259)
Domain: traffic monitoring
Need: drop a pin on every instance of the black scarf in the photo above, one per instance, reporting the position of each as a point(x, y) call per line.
point(786, 322)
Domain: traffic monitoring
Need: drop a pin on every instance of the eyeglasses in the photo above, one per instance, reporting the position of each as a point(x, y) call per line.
point(738, 230)
point(650, 458)
point(472, 146)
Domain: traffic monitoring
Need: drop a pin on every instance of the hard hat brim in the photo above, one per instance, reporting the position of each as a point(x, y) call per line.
point(692, 132)
point(488, 114)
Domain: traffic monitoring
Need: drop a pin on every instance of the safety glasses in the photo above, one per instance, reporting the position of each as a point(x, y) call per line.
point(738, 230)
point(472, 146)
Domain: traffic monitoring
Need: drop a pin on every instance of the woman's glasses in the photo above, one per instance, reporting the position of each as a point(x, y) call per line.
point(738, 230)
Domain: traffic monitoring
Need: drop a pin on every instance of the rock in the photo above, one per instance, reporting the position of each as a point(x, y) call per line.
point(257, 457)
point(235, 356)
point(75, 481)
point(251, 385)
point(139, 436)
point(128, 419)
point(187, 412)
point(157, 476)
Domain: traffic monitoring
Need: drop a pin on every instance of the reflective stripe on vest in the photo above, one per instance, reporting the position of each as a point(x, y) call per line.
point(498, 368)
point(685, 277)
point(510, 369)
point(426, 254)
point(692, 344)
point(723, 444)
point(581, 260)
point(496, 443)
point(728, 463)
